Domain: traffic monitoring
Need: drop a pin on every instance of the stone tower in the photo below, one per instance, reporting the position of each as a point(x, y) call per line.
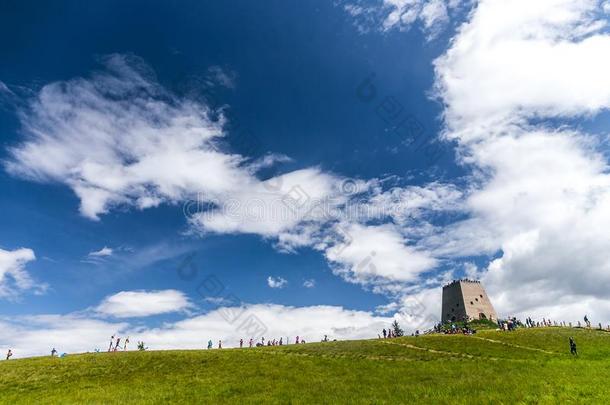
point(466, 299)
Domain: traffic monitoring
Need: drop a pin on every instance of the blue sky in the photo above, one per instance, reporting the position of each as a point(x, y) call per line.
point(423, 152)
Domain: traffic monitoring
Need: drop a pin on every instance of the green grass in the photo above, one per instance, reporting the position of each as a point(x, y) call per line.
point(525, 366)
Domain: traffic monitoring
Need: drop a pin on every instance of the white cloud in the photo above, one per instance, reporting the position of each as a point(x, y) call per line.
point(103, 252)
point(311, 283)
point(377, 255)
point(518, 59)
point(276, 282)
point(128, 304)
point(539, 194)
point(118, 138)
point(431, 15)
point(274, 206)
point(14, 278)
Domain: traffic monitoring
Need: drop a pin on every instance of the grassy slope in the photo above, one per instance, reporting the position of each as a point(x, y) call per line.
point(522, 366)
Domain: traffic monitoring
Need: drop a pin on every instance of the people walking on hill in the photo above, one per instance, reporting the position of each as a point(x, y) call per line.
point(384, 333)
point(241, 343)
point(587, 322)
point(573, 350)
point(282, 342)
point(125, 344)
point(297, 340)
point(251, 342)
point(111, 343)
point(220, 344)
point(210, 344)
point(118, 342)
point(53, 352)
point(9, 354)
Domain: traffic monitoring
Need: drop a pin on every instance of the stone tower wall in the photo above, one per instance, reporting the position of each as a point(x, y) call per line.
point(466, 299)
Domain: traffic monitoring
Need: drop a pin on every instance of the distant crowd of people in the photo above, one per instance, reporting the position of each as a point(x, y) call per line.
point(529, 323)
point(270, 342)
point(387, 334)
point(115, 345)
point(454, 329)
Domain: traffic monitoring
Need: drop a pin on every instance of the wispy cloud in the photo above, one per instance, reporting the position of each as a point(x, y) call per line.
point(103, 252)
point(222, 76)
point(119, 138)
point(14, 278)
point(311, 283)
point(431, 16)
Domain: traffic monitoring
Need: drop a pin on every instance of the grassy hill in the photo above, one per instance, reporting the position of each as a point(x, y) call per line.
point(501, 367)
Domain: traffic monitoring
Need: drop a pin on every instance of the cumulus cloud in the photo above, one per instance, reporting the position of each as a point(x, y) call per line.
point(377, 255)
point(538, 200)
point(131, 304)
point(276, 282)
point(14, 278)
point(516, 60)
